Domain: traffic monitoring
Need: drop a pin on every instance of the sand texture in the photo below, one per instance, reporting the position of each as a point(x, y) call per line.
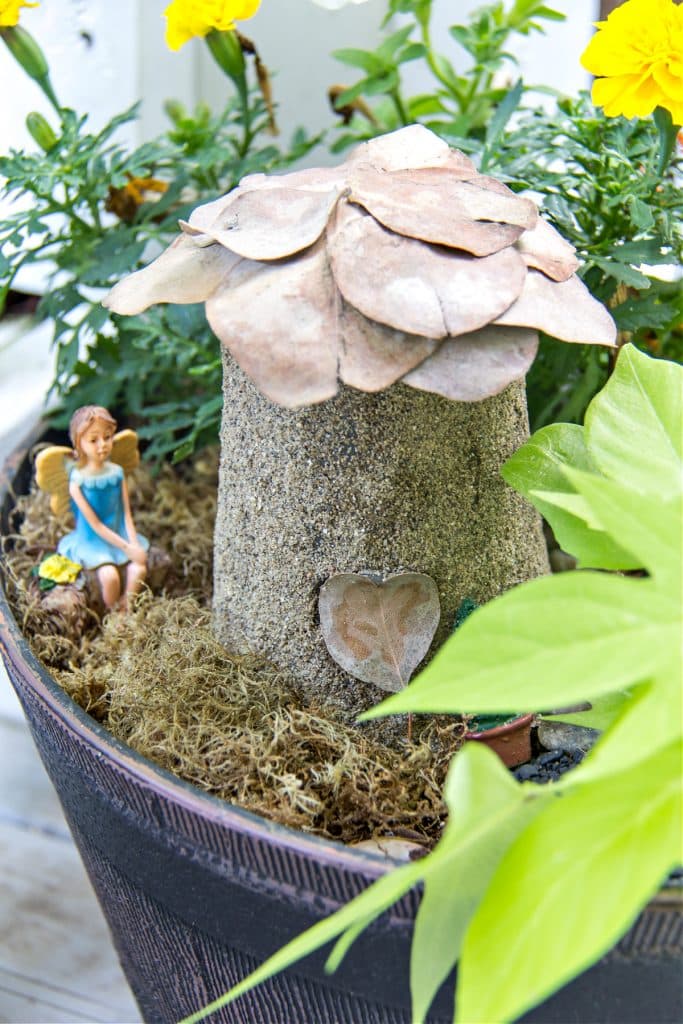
point(400, 480)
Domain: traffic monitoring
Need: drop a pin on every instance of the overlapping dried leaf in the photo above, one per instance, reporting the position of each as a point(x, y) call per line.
point(397, 265)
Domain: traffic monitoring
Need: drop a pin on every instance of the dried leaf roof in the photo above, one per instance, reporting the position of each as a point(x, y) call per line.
point(402, 263)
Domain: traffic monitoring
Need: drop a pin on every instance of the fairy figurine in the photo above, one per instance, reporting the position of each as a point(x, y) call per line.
point(90, 477)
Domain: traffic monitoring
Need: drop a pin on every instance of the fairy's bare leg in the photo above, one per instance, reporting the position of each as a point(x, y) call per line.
point(135, 577)
point(110, 585)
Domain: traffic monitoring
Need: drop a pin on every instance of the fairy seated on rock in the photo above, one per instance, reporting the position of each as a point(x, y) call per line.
point(93, 482)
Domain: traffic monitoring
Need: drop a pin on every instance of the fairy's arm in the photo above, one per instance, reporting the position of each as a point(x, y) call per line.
point(127, 514)
point(130, 548)
point(141, 554)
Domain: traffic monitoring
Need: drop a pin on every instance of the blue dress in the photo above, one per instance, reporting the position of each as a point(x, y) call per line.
point(103, 493)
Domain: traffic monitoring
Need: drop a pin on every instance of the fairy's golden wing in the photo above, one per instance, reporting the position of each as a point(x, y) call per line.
point(52, 475)
point(125, 450)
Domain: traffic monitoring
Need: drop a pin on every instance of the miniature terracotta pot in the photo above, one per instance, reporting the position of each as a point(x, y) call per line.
point(198, 892)
point(511, 741)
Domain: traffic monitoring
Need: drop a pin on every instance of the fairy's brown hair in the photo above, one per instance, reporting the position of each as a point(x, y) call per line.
point(84, 418)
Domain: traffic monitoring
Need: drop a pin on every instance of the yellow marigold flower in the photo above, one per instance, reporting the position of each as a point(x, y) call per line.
point(59, 569)
point(637, 54)
point(9, 11)
point(186, 19)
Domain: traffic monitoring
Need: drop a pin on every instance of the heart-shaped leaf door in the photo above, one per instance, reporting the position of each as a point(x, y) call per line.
point(379, 631)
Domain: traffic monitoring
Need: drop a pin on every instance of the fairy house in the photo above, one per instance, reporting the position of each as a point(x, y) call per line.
point(377, 321)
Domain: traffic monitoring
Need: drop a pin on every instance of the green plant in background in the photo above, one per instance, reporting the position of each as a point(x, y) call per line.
point(96, 209)
point(530, 883)
point(610, 185)
point(461, 103)
point(599, 183)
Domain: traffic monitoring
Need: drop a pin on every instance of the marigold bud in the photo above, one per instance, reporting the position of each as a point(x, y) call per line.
point(29, 55)
point(226, 51)
point(41, 131)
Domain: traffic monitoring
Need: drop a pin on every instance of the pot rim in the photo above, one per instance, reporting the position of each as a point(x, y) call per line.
point(516, 725)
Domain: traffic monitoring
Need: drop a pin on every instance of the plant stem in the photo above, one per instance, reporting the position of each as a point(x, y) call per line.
point(433, 63)
point(400, 107)
point(667, 132)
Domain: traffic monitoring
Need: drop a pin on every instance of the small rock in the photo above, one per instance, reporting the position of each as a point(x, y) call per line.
point(549, 767)
point(563, 736)
point(526, 772)
point(400, 850)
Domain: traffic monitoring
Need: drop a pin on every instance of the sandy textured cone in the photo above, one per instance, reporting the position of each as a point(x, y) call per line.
point(397, 481)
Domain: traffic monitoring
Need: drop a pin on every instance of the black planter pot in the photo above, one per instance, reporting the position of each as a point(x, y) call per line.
point(197, 892)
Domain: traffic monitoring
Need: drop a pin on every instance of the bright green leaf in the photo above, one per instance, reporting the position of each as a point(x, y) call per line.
point(412, 52)
point(500, 119)
point(487, 811)
point(389, 47)
point(634, 429)
point(537, 470)
point(648, 311)
point(644, 250)
point(550, 14)
point(550, 642)
point(622, 272)
point(360, 59)
point(570, 887)
point(641, 214)
point(650, 530)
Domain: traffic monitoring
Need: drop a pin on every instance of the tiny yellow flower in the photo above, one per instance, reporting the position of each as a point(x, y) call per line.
point(9, 11)
point(186, 19)
point(59, 569)
point(637, 54)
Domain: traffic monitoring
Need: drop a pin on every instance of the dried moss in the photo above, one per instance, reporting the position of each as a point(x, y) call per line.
point(233, 725)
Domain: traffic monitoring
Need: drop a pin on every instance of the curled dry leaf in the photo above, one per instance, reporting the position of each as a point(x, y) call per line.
point(267, 224)
point(431, 205)
point(293, 367)
point(373, 356)
point(419, 288)
point(567, 305)
point(414, 146)
point(379, 631)
point(185, 272)
point(475, 366)
point(356, 273)
point(544, 248)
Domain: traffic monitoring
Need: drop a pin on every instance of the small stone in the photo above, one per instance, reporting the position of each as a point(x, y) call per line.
point(526, 772)
point(399, 850)
point(549, 757)
point(563, 736)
